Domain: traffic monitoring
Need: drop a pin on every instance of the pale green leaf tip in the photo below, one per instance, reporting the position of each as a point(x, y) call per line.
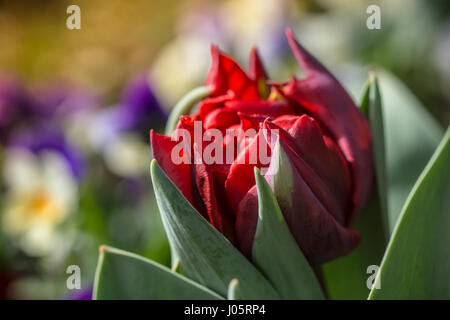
point(233, 290)
point(176, 267)
point(153, 167)
point(257, 173)
point(153, 163)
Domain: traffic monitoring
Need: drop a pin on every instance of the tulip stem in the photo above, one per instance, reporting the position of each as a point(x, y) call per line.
point(185, 105)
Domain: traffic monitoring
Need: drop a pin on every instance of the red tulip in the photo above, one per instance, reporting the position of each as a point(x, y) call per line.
point(322, 134)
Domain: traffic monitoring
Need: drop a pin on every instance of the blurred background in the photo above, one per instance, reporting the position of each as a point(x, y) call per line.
point(76, 107)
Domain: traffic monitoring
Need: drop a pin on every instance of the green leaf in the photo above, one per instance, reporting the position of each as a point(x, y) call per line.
point(185, 105)
point(416, 262)
point(411, 136)
point(346, 277)
point(275, 252)
point(410, 133)
point(375, 115)
point(124, 275)
point(206, 256)
point(364, 103)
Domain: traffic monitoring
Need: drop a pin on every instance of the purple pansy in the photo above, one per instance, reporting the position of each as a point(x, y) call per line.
point(137, 111)
point(14, 101)
point(139, 106)
point(42, 138)
point(81, 294)
point(56, 101)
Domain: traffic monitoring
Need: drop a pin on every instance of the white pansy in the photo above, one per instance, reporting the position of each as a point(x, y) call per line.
point(127, 155)
point(41, 193)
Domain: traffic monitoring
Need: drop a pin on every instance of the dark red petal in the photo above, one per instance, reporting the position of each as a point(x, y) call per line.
point(262, 107)
point(318, 186)
point(241, 177)
point(179, 174)
point(246, 222)
point(205, 193)
point(225, 74)
point(325, 159)
point(204, 186)
point(328, 102)
point(320, 236)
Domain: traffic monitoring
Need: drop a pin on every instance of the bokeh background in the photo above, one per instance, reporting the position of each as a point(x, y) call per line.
point(76, 107)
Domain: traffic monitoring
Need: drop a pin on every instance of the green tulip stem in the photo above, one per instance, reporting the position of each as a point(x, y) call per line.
point(185, 105)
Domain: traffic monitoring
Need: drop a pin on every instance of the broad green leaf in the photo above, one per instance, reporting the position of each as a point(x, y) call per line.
point(411, 136)
point(124, 275)
point(185, 105)
point(416, 262)
point(346, 277)
point(206, 256)
point(377, 128)
point(373, 107)
point(410, 133)
point(275, 250)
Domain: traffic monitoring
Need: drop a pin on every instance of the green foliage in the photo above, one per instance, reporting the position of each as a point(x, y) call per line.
point(416, 262)
point(275, 251)
point(205, 255)
point(411, 136)
point(123, 275)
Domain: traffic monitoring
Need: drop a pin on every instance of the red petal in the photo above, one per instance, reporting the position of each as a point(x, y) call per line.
point(325, 159)
point(328, 102)
point(179, 174)
point(209, 104)
point(241, 177)
point(318, 186)
point(256, 68)
point(225, 74)
point(220, 119)
point(320, 236)
point(262, 107)
point(246, 222)
point(203, 180)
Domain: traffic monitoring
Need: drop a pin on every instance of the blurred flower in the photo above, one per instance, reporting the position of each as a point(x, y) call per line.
point(81, 294)
point(231, 25)
point(139, 106)
point(44, 138)
point(196, 30)
point(120, 132)
point(59, 101)
point(13, 104)
point(40, 173)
